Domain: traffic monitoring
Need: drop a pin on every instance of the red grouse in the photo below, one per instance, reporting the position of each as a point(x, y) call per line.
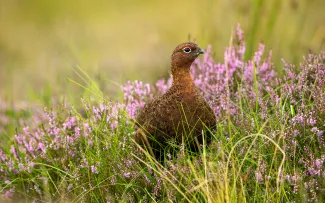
point(181, 115)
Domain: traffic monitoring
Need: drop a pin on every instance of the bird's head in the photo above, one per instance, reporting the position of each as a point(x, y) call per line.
point(184, 55)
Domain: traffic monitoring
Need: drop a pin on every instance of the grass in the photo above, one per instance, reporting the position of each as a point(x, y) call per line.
point(220, 174)
point(268, 147)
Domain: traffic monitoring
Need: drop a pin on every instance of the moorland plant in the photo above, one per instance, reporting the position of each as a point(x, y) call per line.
point(268, 147)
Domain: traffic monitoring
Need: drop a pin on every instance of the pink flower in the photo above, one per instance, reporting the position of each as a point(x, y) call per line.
point(94, 169)
point(70, 123)
point(13, 151)
point(41, 146)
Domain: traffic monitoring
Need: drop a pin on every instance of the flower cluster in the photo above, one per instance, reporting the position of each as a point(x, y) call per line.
point(63, 140)
point(91, 150)
point(135, 96)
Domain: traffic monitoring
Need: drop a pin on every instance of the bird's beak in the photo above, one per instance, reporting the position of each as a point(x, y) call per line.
point(201, 51)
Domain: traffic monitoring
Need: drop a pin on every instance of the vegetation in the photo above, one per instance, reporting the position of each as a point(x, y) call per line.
point(269, 145)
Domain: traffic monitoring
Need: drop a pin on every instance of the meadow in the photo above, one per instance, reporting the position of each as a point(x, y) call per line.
point(70, 138)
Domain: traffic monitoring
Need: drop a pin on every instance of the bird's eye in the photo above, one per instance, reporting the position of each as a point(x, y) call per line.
point(187, 50)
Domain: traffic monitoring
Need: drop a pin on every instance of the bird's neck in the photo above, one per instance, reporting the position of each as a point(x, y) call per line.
point(182, 76)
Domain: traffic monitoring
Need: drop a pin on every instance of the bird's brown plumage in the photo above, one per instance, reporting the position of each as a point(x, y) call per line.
point(181, 114)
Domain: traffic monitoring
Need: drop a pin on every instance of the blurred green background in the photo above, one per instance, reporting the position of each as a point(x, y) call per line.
point(42, 41)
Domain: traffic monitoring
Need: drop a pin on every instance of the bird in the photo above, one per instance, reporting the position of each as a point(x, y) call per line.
point(181, 115)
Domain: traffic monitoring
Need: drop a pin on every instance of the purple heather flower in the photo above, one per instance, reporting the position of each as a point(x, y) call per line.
point(314, 129)
point(312, 121)
point(2, 156)
point(26, 130)
point(41, 146)
point(318, 163)
point(70, 140)
point(93, 169)
point(113, 124)
point(239, 33)
point(295, 133)
point(70, 123)
point(22, 167)
point(29, 146)
point(127, 175)
point(77, 131)
point(53, 131)
point(19, 138)
point(13, 151)
point(9, 193)
point(135, 95)
point(258, 54)
point(312, 171)
point(299, 119)
point(87, 129)
point(162, 87)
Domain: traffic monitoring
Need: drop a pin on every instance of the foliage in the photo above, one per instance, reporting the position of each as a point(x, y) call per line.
point(269, 145)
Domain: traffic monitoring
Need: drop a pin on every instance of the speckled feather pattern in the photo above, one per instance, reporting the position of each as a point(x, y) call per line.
point(181, 113)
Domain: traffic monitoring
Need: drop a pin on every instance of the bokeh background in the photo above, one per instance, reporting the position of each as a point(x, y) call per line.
point(42, 41)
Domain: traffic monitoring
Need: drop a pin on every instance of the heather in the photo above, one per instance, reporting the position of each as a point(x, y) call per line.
point(269, 145)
